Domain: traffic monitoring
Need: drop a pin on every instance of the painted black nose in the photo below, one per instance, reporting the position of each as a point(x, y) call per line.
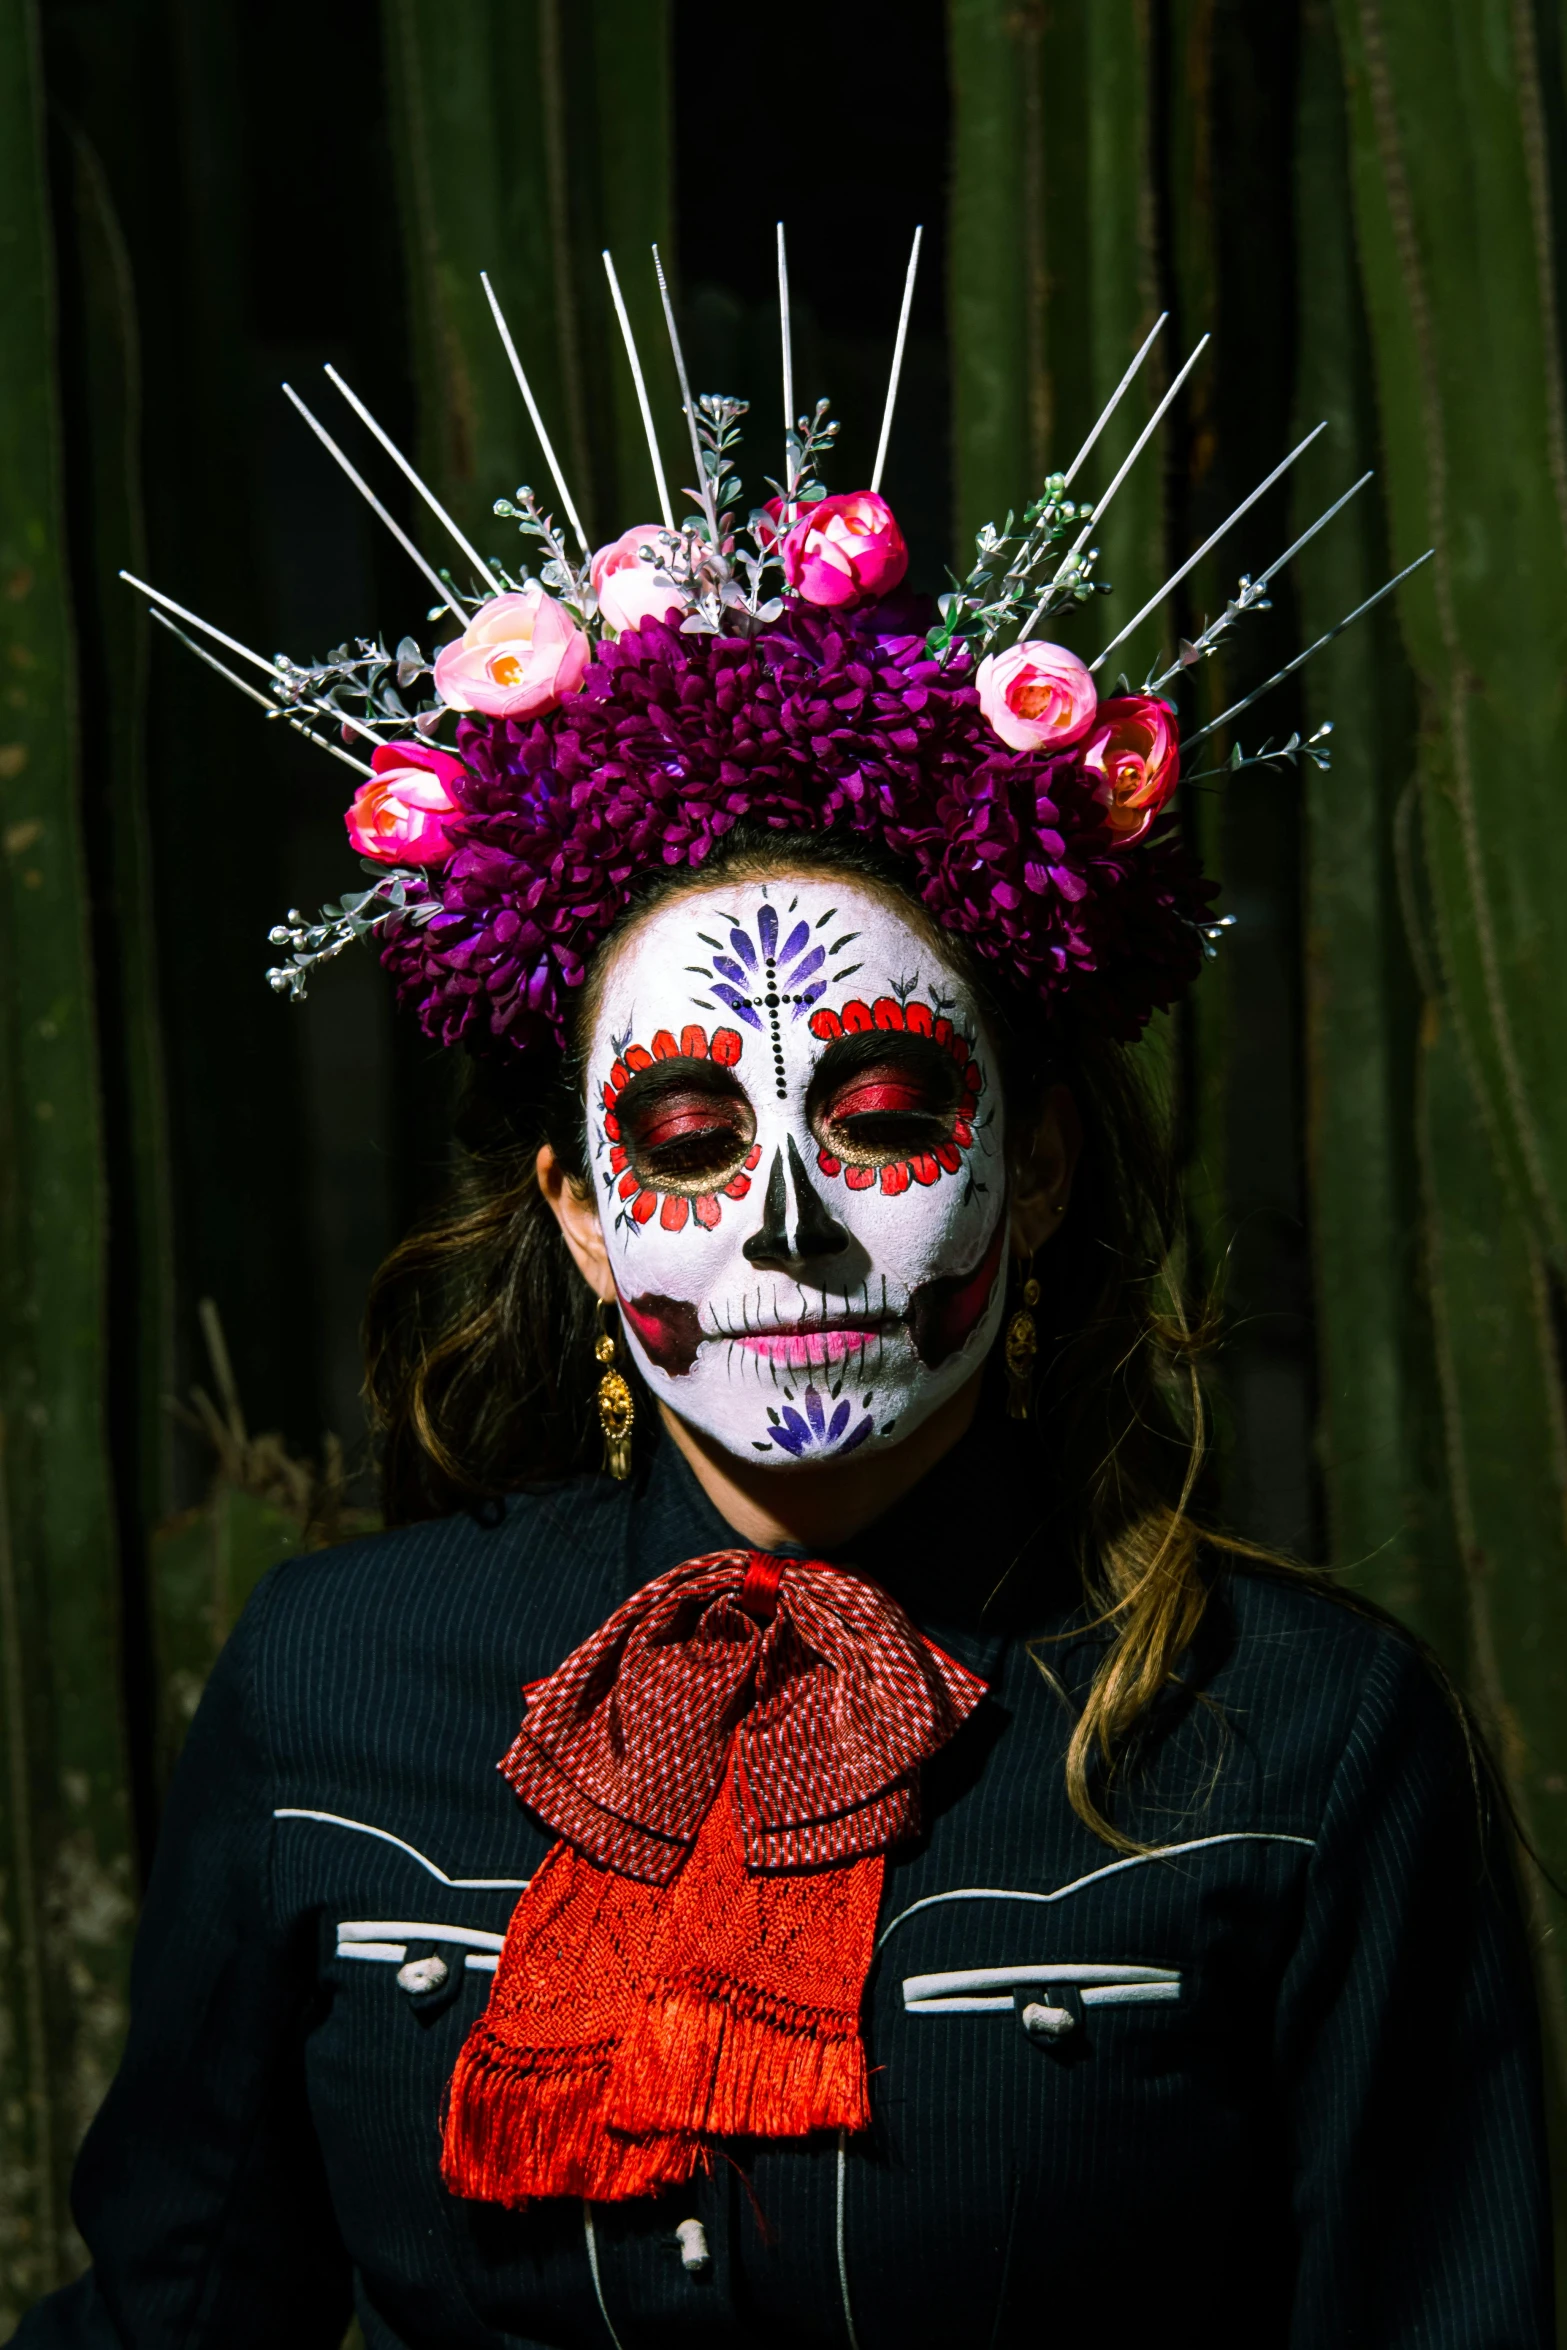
point(796, 1226)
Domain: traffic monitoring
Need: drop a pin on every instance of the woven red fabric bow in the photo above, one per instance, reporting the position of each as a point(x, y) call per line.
point(727, 1760)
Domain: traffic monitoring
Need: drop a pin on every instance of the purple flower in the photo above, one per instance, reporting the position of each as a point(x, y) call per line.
point(826, 722)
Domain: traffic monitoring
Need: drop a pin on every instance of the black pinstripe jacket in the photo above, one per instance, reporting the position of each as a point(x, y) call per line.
point(1296, 2101)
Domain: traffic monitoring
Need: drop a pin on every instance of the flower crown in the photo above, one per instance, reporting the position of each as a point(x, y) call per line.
point(624, 709)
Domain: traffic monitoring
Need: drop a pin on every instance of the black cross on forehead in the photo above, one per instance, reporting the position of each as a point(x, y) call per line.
point(774, 961)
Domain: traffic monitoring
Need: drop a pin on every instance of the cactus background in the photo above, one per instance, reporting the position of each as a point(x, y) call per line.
point(1365, 200)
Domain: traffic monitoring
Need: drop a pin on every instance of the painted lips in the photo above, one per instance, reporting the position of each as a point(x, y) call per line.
point(799, 1349)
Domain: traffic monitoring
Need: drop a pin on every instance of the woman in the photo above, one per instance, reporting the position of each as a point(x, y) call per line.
point(936, 1893)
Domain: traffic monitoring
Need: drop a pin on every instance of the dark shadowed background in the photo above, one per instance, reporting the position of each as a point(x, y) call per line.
point(1362, 200)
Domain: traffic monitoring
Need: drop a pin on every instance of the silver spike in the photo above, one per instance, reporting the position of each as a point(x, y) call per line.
point(532, 406)
point(1115, 399)
point(376, 507)
point(1208, 544)
point(403, 466)
point(251, 694)
point(637, 378)
point(787, 340)
point(1103, 507)
point(1275, 567)
point(1190, 742)
point(897, 361)
point(702, 485)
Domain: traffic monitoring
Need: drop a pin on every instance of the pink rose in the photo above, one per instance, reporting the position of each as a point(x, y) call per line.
point(1037, 697)
point(843, 550)
point(399, 815)
point(631, 591)
point(769, 533)
point(1135, 757)
point(518, 656)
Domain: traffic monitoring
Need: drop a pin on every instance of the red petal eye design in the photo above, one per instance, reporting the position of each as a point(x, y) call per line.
point(682, 1128)
point(898, 1114)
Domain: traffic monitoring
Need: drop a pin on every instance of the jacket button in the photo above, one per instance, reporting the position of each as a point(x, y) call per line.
point(1047, 2023)
point(691, 2236)
point(422, 1974)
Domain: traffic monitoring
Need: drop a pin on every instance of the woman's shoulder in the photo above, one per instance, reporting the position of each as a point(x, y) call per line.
point(1311, 1666)
point(530, 1577)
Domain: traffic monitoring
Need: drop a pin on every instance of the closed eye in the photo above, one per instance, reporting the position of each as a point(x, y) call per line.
point(875, 1098)
point(685, 1125)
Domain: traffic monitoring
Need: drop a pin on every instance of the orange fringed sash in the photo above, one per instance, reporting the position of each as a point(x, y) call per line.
point(727, 1761)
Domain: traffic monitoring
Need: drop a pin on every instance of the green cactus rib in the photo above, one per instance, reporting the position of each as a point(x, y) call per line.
point(1471, 406)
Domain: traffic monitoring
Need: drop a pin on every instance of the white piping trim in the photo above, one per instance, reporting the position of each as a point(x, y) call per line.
point(1129, 1994)
point(335, 1819)
point(478, 1962)
point(598, 2287)
point(917, 1988)
point(843, 2258)
point(1111, 1869)
point(416, 1930)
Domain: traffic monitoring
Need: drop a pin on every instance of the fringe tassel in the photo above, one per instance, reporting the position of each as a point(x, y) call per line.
point(520, 2125)
point(718, 2059)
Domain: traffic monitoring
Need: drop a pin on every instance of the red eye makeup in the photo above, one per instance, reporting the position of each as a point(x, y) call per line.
point(685, 1126)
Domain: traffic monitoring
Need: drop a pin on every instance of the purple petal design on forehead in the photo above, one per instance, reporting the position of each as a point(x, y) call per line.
point(808, 995)
point(767, 929)
point(799, 936)
point(813, 962)
point(738, 1005)
point(743, 948)
point(728, 969)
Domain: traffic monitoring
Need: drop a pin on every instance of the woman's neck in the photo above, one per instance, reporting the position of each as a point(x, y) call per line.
point(820, 1508)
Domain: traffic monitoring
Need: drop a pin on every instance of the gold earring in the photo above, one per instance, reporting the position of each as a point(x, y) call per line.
point(1022, 1344)
point(616, 1405)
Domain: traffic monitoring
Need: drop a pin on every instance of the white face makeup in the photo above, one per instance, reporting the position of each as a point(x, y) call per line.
point(794, 1126)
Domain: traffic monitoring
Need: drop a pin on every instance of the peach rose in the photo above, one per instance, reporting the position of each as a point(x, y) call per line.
point(1136, 760)
point(519, 656)
point(1037, 697)
point(845, 550)
point(399, 815)
point(631, 591)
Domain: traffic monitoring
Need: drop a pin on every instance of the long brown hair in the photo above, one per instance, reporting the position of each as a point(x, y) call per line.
point(479, 1330)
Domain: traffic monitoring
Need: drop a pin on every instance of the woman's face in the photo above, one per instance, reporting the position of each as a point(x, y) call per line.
point(795, 1142)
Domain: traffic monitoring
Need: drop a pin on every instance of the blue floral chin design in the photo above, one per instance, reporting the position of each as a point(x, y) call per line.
point(814, 1431)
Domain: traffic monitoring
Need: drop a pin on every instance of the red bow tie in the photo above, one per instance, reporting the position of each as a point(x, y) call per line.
point(727, 1760)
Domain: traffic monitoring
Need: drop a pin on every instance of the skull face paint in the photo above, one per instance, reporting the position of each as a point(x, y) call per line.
point(794, 1125)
